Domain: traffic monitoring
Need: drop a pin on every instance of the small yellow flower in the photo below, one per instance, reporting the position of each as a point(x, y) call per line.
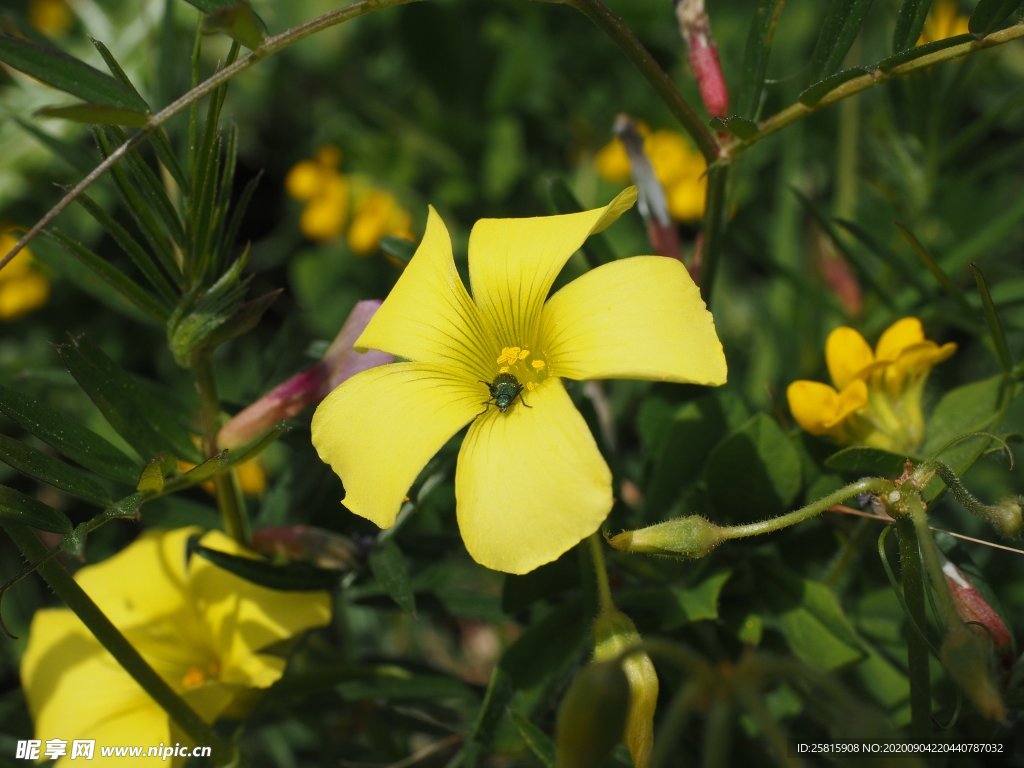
point(876, 398)
point(530, 482)
point(679, 167)
point(376, 215)
point(22, 287)
point(943, 21)
point(51, 17)
point(204, 630)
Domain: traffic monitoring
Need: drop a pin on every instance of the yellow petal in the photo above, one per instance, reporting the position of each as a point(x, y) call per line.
point(513, 263)
point(818, 408)
point(379, 428)
point(904, 333)
point(428, 316)
point(914, 362)
point(245, 618)
point(305, 180)
point(848, 356)
point(530, 482)
point(638, 318)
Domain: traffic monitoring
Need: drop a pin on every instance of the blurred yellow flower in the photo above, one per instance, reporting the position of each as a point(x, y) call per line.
point(331, 198)
point(22, 287)
point(679, 167)
point(252, 478)
point(204, 630)
point(876, 398)
point(530, 482)
point(51, 17)
point(944, 20)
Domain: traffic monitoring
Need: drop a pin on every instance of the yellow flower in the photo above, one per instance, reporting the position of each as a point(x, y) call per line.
point(943, 21)
point(203, 629)
point(530, 481)
point(680, 168)
point(376, 215)
point(51, 17)
point(22, 287)
point(876, 399)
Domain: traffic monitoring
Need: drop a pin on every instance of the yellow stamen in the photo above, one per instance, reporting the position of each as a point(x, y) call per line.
point(512, 355)
point(538, 364)
point(530, 386)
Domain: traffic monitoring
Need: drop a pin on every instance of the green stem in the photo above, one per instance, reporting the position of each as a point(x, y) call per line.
point(604, 592)
point(917, 645)
point(714, 228)
point(623, 36)
point(932, 561)
point(874, 485)
point(68, 590)
point(269, 46)
point(798, 111)
point(666, 747)
point(229, 502)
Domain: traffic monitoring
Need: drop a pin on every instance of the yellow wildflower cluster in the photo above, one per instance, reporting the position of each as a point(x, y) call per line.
point(944, 20)
point(876, 400)
point(22, 287)
point(680, 168)
point(334, 201)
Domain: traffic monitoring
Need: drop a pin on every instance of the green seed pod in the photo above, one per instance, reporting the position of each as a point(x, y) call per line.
point(591, 717)
point(686, 537)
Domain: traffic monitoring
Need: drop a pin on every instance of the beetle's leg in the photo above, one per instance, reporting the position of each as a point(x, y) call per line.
point(486, 404)
point(523, 401)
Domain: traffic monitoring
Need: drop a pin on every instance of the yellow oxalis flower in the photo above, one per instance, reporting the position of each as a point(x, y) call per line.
point(530, 481)
point(679, 167)
point(203, 629)
point(22, 287)
point(876, 399)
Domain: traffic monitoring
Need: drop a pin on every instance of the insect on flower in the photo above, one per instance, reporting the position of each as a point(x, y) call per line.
point(504, 390)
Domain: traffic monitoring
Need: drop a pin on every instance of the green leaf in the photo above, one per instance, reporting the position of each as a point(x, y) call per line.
point(16, 507)
point(970, 408)
point(754, 472)
point(539, 743)
point(68, 74)
point(96, 114)
point(808, 614)
point(136, 414)
point(390, 683)
point(909, 23)
point(887, 256)
point(151, 481)
point(839, 29)
point(866, 461)
point(390, 568)
point(676, 606)
point(922, 50)
point(989, 14)
point(67, 436)
point(398, 249)
point(755, 57)
point(47, 469)
point(951, 288)
point(740, 127)
point(112, 276)
point(995, 328)
point(294, 577)
point(811, 95)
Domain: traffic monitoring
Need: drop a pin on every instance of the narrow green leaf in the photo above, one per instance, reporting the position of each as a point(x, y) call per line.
point(989, 14)
point(115, 68)
point(113, 277)
point(866, 461)
point(922, 50)
point(563, 200)
point(755, 57)
point(294, 577)
point(932, 266)
point(96, 114)
point(16, 507)
point(389, 567)
point(887, 256)
point(839, 29)
point(169, 160)
point(51, 471)
point(398, 250)
point(240, 208)
point(995, 328)
point(203, 471)
point(740, 127)
point(909, 23)
point(70, 152)
point(811, 95)
point(67, 436)
point(136, 414)
point(539, 743)
point(68, 74)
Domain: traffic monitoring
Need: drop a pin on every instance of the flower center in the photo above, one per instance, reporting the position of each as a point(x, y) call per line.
point(528, 368)
point(196, 675)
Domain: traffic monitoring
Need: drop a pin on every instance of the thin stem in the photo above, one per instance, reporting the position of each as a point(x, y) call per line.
point(270, 45)
point(604, 592)
point(798, 111)
point(932, 561)
point(232, 509)
point(714, 228)
point(917, 644)
point(61, 582)
point(864, 485)
point(623, 36)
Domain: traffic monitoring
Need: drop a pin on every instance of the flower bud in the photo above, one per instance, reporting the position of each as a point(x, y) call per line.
point(614, 632)
point(591, 716)
point(1005, 517)
point(695, 27)
point(973, 608)
point(688, 537)
point(967, 657)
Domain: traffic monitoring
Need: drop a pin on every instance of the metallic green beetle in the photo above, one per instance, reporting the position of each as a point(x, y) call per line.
point(503, 390)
